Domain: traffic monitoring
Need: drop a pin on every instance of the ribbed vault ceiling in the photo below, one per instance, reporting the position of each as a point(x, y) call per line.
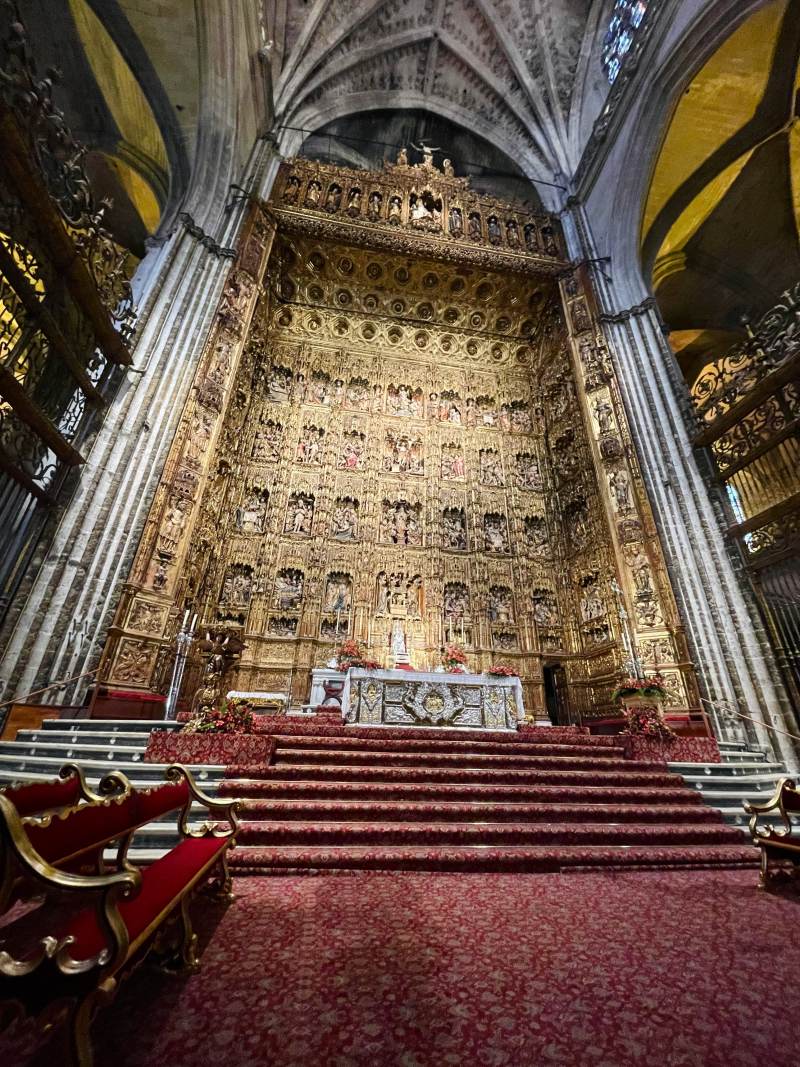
point(512, 71)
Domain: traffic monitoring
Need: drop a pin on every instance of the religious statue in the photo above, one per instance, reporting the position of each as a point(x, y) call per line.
point(382, 599)
point(357, 394)
point(288, 589)
point(591, 603)
point(620, 487)
point(495, 533)
point(352, 451)
point(173, 525)
point(313, 193)
point(640, 571)
point(279, 384)
point(453, 525)
point(474, 226)
point(491, 470)
point(500, 604)
point(299, 514)
point(237, 586)
point(604, 415)
point(531, 239)
point(291, 191)
point(374, 206)
point(344, 520)
point(452, 462)
point(520, 417)
point(402, 157)
point(419, 212)
point(250, 516)
point(403, 456)
point(486, 408)
point(334, 198)
point(337, 595)
point(395, 209)
point(512, 233)
point(398, 638)
point(493, 228)
point(447, 167)
point(266, 442)
point(536, 536)
point(354, 201)
point(403, 401)
point(544, 613)
point(456, 222)
point(309, 447)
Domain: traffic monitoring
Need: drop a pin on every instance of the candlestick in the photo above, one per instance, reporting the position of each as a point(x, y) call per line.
point(194, 623)
point(462, 629)
point(185, 617)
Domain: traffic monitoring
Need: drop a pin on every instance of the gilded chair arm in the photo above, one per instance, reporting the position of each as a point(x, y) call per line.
point(228, 809)
point(774, 804)
point(113, 784)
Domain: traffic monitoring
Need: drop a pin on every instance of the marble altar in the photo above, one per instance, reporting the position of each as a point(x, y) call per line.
point(421, 698)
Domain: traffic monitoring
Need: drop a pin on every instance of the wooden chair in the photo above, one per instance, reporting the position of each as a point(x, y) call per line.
point(780, 844)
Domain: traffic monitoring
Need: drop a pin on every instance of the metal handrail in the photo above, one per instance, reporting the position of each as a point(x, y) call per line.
point(54, 685)
point(724, 706)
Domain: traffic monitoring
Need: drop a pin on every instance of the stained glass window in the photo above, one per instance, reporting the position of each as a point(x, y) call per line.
point(625, 21)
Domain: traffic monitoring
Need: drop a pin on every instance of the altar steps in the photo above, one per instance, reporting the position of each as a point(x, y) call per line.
point(274, 791)
point(287, 757)
point(611, 748)
point(510, 859)
point(555, 775)
point(483, 812)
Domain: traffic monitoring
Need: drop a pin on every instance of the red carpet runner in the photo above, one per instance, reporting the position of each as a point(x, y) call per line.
point(343, 799)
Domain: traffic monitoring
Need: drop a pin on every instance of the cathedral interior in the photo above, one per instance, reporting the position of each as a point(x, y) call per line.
point(396, 401)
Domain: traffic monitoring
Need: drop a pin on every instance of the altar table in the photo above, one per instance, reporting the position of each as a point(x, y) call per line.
point(460, 701)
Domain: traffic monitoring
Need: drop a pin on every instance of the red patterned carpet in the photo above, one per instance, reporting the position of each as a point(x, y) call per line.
point(675, 969)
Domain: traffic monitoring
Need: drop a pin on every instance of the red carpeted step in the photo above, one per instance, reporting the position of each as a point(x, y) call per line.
point(500, 776)
point(276, 790)
point(433, 833)
point(297, 727)
point(522, 748)
point(286, 860)
point(286, 756)
point(425, 811)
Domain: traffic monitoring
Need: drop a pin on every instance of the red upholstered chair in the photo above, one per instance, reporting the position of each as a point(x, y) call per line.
point(32, 798)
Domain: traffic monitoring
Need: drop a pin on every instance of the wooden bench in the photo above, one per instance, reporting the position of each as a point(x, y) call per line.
point(34, 798)
point(776, 844)
point(81, 928)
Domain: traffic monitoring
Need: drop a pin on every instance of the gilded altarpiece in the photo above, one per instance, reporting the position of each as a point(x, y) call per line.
point(420, 429)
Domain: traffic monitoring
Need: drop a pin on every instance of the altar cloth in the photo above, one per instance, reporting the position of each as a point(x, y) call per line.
point(435, 699)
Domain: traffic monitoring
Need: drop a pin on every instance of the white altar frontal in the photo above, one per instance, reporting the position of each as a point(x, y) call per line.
point(415, 698)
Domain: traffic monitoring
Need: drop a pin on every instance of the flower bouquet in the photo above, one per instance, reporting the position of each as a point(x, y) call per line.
point(646, 721)
point(231, 717)
point(349, 655)
point(648, 688)
point(454, 659)
point(502, 670)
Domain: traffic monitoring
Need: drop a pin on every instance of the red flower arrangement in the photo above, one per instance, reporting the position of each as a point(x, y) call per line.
point(502, 670)
point(644, 687)
point(646, 721)
point(454, 658)
point(231, 717)
point(349, 655)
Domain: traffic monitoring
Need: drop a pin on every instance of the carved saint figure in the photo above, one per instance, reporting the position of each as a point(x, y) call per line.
point(454, 529)
point(174, 523)
point(419, 212)
point(455, 601)
point(501, 607)
point(493, 228)
point(334, 198)
point(456, 222)
point(354, 201)
point(474, 226)
point(604, 415)
point(352, 451)
point(495, 533)
point(374, 205)
point(337, 593)
point(358, 394)
point(531, 239)
point(250, 516)
point(288, 589)
point(520, 417)
point(395, 209)
point(591, 603)
point(512, 233)
point(491, 469)
point(452, 462)
point(291, 190)
point(447, 167)
point(536, 536)
point(344, 520)
point(528, 476)
point(403, 456)
point(309, 447)
point(299, 514)
point(402, 157)
point(544, 613)
point(313, 193)
point(279, 384)
point(640, 571)
point(619, 485)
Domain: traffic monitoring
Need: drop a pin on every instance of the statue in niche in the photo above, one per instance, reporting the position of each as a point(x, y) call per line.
point(505, 418)
point(512, 233)
point(174, 524)
point(452, 462)
point(545, 612)
point(279, 384)
point(621, 490)
point(309, 447)
point(200, 434)
point(282, 627)
point(528, 474)
point(447, 409)
point(456, 222)
point(252, 512)
point(640, 571)
point(160, 576)
point(344, 520)
point(288, 589)
point(313, 194)
point(531, 238)
point(604, 415)
point(299, 514)
point(454, 527)
point(520, 417)
point(487, 410)
point(319, 389)
point(337, 593)
point(354, 201)
point(491, 468)
point(506, 642)
point(493, 229)
point(474, 226)
point(290, 193)
point(470, 416)
point(501, 605)
point(237, 585)
point(591, 603)
point(382, 595)
point(334, 198)
point(447, 168)
point(357, 395)
point(353, 447)
point(266, 443)
point(495, 531)
point(402, 157)
point(395, 210)
point(374, 206)
point(404, 401)
point(426, 212)
point(536, 537)
point(400, 523)
point(403, 456)
point(551, 248)
point(455, 601)
point(415, 598)
point(648, 613)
